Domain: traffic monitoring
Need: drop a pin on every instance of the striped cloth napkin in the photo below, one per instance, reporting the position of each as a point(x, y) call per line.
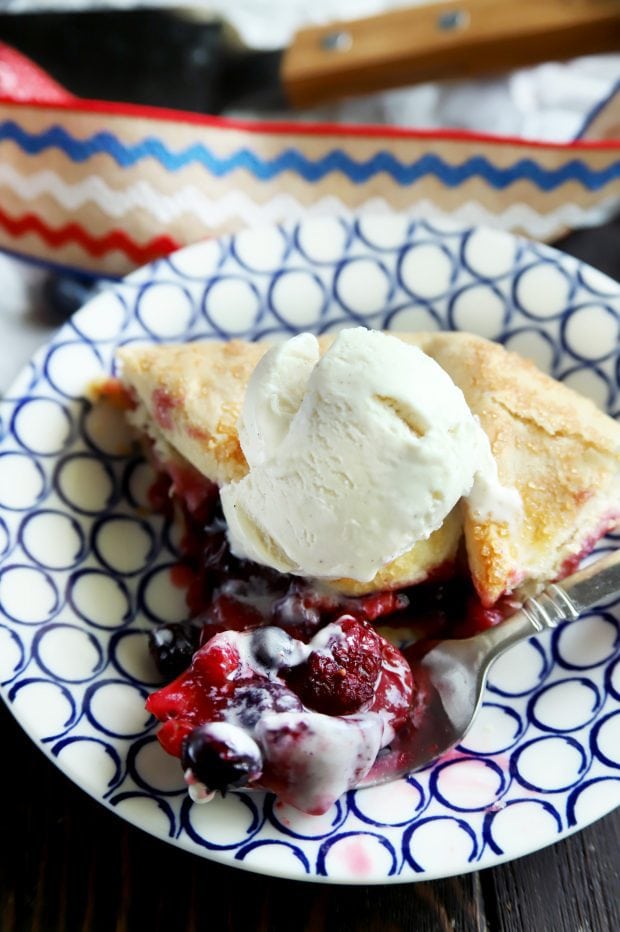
point(104, 188)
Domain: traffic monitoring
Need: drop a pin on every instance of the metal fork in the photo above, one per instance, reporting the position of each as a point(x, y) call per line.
point(454, 673)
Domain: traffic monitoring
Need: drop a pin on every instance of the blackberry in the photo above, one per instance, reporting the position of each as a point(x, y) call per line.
point(172, 647)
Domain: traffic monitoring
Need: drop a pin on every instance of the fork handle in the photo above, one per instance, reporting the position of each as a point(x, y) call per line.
point(558, 602)
point(597, 582)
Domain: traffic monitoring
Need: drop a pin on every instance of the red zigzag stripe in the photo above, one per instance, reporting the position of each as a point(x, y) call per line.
point(94, 246)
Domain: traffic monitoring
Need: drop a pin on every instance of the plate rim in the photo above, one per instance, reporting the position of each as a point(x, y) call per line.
point(144, 275)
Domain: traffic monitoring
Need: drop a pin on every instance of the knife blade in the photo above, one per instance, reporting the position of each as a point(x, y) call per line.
point(165, 57)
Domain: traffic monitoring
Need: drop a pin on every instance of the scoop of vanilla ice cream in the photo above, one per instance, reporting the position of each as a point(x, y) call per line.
point(354, 457)
point(274, 396)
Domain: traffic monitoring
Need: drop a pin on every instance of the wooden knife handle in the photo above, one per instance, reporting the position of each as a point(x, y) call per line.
point(442, 40)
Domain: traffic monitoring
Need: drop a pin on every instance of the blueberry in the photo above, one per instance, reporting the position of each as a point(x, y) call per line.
point(250, 703)
point(173, 646)
point(221, 756)
point(272, 647)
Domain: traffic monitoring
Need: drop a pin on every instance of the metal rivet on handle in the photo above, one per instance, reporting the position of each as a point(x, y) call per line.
point(453, 19)
point(340, 41)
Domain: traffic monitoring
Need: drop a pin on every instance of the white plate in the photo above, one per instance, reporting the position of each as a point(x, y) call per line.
point(83, 574)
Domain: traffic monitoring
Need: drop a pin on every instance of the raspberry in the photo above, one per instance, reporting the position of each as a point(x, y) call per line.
point(172, 734)
point(199, 694)
point(340, 678)
point(184, 700)
point(217, 662)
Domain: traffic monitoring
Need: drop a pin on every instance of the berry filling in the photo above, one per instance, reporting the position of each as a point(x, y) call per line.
point(218, 756)
point(282, 684)
point(342, 678)
point(261, 708)
point(224, 593)
point(172, 647)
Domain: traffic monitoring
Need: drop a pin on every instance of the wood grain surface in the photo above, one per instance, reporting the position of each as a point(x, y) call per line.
point(67, 864)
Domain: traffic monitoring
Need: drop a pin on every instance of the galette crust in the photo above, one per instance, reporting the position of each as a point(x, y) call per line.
point(553, 445)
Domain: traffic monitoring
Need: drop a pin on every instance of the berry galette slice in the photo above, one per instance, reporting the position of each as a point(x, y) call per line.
point(554, 446)
point(291, 675)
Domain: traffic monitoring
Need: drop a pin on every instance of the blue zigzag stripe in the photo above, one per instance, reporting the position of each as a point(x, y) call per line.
point(291, 160)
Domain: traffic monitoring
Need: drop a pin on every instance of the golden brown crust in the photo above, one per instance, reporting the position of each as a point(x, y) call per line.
point(204, 384)
point(554, 446)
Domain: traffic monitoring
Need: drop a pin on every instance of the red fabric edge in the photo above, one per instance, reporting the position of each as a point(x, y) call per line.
point(95, 246)
point(355, 130)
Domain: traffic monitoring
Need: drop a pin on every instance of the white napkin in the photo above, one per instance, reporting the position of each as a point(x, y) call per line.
point(550, 102)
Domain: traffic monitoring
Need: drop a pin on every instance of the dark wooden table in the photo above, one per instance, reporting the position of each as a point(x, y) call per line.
point(68, 864)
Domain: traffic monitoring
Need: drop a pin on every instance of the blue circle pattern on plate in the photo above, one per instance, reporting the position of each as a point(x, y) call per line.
point(93, 569)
